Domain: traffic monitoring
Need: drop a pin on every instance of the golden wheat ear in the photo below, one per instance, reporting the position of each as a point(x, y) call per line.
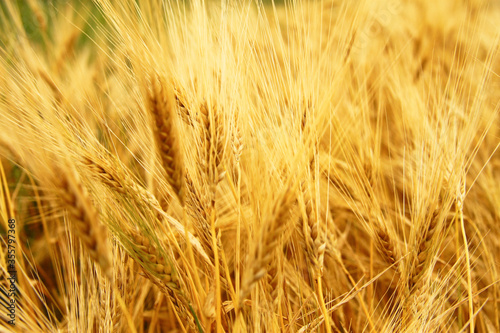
point(84, 217)
point(162, 105)
point(161, 272)
point(270, 237)
point(213, 145)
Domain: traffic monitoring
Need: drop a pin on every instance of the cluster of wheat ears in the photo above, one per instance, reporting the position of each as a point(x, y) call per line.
point(198, 166)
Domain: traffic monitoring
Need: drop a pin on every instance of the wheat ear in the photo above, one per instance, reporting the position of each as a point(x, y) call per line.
point(237, 143)
point(161, 273)
point(84, 218)
point(314, 238)
point(386, 245)
point(212, 154)
point(424, 250)
point(161, 105)
point(270, 237)
point(415, 296)
point(201, 215)
point(120, 181)
point(151, 261)
point(117, 179)
point(183, 104)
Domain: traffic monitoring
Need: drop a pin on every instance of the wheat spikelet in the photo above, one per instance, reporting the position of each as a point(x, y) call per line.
point(314, 239)
point(183, 105)
point(161, 105)
point(200, 212)
point(209, 304)
point(237, 142)
point(386, 246)
point(151, 261)
point(212, 153)
point(424, 249)
point(84, 218)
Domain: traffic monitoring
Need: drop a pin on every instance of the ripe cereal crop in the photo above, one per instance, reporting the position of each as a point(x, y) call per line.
point(250, 166)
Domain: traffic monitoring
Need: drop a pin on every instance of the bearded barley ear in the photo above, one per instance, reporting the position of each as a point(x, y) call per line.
point(152, 262)
point(119, 180)
point(162, 105)
point(200, 211)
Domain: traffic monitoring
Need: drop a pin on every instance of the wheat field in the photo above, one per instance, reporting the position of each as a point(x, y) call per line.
point(240, 166)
